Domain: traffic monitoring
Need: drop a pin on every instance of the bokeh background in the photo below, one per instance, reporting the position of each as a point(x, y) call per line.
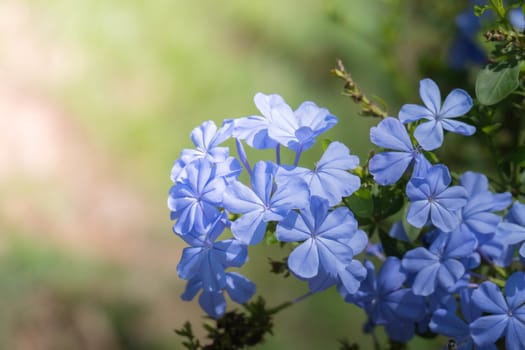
point(98, 98)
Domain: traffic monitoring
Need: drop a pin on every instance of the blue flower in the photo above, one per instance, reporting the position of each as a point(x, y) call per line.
point(279, 124)
point(330, 239)
point(506, 315)
point(431, 196)
point(442, 265)
point(206, 139)
point(477, 215)
point(383, 297)
point(388, 167)
point(512, 231)
point(194, 201)
point(266, 201)
point(330, 179)
point(239, 288)
point(447, 322)
point(430, 133)
point(207, 259)
point(254, 129)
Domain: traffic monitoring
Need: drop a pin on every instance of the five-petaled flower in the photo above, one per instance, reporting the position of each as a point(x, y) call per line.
point(430, 134)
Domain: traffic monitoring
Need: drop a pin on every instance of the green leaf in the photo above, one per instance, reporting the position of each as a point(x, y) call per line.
point(517, 156)
point(361, 203)
point(392, 246)
point(493, 85)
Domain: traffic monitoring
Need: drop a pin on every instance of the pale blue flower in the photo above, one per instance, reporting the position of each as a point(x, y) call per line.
point(388, 167)
point(442, 264)
point(430, 134)
point(432, 197)
point(330, 239)
point(206, 139)
point(331, 178)
point(505, 315)
point(266, 201)
point(194, 201)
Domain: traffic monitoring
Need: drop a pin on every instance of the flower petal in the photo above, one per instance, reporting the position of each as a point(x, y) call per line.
point(457, 103)
point(429, 135)
point(429, 92)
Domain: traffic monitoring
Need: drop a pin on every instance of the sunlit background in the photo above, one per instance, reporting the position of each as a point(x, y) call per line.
point(98, 98)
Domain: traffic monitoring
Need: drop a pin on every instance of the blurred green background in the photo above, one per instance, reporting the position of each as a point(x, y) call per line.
point(98, 98)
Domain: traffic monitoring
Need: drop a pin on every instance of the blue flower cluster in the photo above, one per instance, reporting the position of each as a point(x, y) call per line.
point(438, 285)
point(208, 198)
point(461, 232)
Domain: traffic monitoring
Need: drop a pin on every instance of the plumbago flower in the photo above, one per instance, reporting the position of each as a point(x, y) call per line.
point(203, 263)
point(267, 200)
point(443, 264)
point(206, 139)
point(195, 200)
point(279, 124)
point(386, 302)
point(432, 196)
point(505, 315)
point(388, 167)
point(330, 240)
point(430, 133)
point(330, 179)
point(446, 321)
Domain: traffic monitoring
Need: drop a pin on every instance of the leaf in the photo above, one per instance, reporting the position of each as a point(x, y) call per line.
point(493, 86)
point(392, 246)
point(361, 203)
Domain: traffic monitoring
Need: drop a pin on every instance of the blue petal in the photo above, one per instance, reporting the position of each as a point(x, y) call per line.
point(390, 133)
point(410, 113)
point(488, 298)
point(190, 262)
point(515, 335)
point(388, 167)
point(239, 287)
point(418, 213)
point(515, 290)
point(292, 229)
point(429, 92)
point(249, 228)
point(351, 277)
point(390, 276)
point(474, 183)
point(443, 218)
point(231, 252)
point(304, 260)
point(405, 305)
point(425, 281)
point(339, 224)
point(457, 103)
point(254, 131)
point(239, 199)
point(446, 322)
point(450, 272)
point(417, 259)
point(487, 330)
point(213, 303)
point(429, 135)
point(192, 288)
point(511, 233)
point(458, 127)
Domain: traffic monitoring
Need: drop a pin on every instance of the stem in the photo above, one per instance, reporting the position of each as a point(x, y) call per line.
point(368, 107)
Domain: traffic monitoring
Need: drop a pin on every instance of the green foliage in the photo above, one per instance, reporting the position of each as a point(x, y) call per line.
point(235, 330)
point(494, 84)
